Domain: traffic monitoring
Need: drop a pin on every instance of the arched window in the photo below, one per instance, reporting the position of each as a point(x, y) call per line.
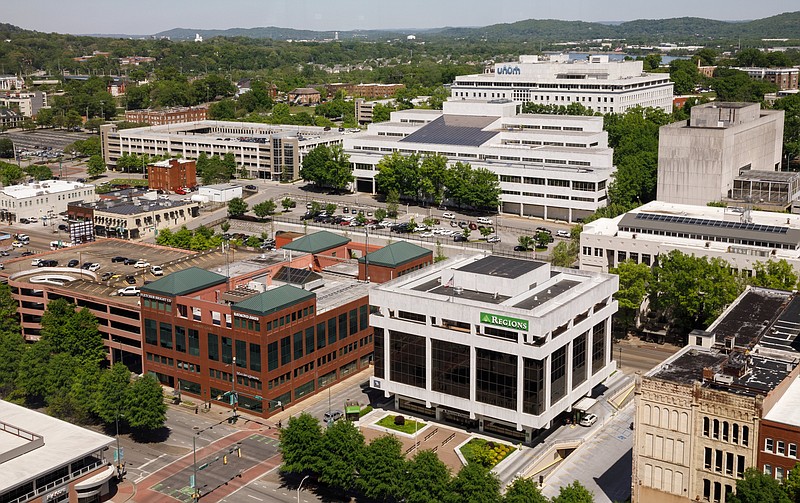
point(715, 432)
point(706, 426)
point(735, 438)
point(745, 436)
point(725, 431)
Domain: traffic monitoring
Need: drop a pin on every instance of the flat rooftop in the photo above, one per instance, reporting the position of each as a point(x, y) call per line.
point(63, 444)
point(25, 190)
point(502, 267)
point(104, 250)
point(785, 409)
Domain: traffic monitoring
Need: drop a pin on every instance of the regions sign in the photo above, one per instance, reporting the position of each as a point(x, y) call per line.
point(504, 321)
point(508, 70)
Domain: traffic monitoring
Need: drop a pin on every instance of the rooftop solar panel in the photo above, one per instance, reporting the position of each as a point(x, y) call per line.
point(454, 130)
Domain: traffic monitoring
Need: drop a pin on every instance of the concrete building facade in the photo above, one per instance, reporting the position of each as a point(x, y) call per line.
point(597, 83)
point(42, 199)
point(549, 166)
point(784, 78)
point(499, 344)
point(134, 218)
point(699, 159)
point(263, 150)
point(740, 237)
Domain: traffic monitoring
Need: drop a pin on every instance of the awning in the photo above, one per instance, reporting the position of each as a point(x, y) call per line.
point(584, 404)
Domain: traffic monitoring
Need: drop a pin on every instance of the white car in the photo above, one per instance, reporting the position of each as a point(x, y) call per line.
point(449, 215)
point(17, 244)
point(588, 420)
point(427, 235)
point(493, 239)
point(128, 291)
point(36, 261)
point(95, 266)
point(484, 220)
point(562, 233)
point(157, 270)
point(141, 264)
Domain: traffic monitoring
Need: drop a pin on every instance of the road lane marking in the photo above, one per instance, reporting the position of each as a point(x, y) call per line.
point(151, 461)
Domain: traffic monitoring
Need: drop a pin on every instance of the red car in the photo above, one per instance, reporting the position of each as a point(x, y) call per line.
point(180, 191)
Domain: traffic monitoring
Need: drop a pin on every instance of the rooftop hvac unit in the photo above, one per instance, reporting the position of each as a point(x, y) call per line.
point(459, 290)
point(723, 379)
point(255, 285)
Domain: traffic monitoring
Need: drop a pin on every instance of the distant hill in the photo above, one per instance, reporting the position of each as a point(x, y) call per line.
point(786, 25)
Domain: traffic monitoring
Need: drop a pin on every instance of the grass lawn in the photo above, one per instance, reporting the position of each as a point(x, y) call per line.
point(409, 427)
point(490, 452)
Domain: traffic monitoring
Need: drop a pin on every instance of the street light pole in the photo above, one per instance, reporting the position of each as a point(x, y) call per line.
point(619, 348)
point(195, 493)
point(300, 487)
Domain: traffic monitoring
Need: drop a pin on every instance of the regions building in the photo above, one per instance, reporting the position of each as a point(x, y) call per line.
point(739, 236)
point(699, 159)
point(44, 459)
point(172, 174)
point(597, 83)
point(700, 415)
point(500, 344)
point(43, 199)
point(265, 151)
point(176, 115)
point(549, 166)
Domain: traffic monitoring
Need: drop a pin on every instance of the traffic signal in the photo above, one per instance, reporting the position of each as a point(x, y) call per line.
point(225, 459)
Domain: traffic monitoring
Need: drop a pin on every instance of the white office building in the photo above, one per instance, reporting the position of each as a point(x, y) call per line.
point(739, 236)
point(496, 343)
point(549, 166)
point(597, 83)
point(42, 199)
point(221, 192)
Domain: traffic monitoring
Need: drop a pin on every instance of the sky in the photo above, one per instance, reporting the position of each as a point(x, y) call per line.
point(144, 17)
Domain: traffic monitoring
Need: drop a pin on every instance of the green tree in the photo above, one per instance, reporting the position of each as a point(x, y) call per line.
point(791, 485)
point(692, 291)
point(6, 148)
point(237, 207)
point(427, 478)
point(400, 173)
point(791, 127)
point(264, 209)
point(433, 176)
point(757, 487)
point(144, 404)
point(222, 110)
point(10, 173)
point(301, 441)
point(542, 239)
point(392, 203)
point(526, 242)
point(288, 203)
point(381, 470)
point(39, 172)
point(340, 456)
point(380, 214)
point(522, 490)
point(474, 483)
point(112, 390)
point(330, 208)
point(96, 166)
point(12, 349)
point(564, 254)
point(72, 331)
point(771, 274)
point(634, 283)
point(736, 85)
point(574, 493)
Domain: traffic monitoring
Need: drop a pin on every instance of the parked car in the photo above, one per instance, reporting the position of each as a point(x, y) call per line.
point(180, 192)
point(24, 221)
point(544, 229)
point(588, 420)
point(27, 253)
point(128, 291)
point(521, 248)
point(562, 233)
point(459, 237)
point(493, 239)
point(484, 220)
point(141, 264)
point(86, 265)
point(17, 244)
point(129, 261)
point(106, 276)
point(94, 266)
point(130, 279)
point(73, 263)
point(4, 253)
point(48, 263)
point(449, 215)
point(35, 262)
point(118, 259)
point(332, 416)
point(251, 187)
point(157, 270)
point(63, 227)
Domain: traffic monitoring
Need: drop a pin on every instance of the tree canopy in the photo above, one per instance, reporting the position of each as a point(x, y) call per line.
point(327, 166)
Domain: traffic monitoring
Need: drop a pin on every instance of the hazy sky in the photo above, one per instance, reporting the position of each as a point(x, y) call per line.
point(152, 16)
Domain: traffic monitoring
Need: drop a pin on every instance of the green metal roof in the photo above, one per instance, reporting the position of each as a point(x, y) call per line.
point(317, 242)
point(273, 300)
point(396, 254)
point(183, 282)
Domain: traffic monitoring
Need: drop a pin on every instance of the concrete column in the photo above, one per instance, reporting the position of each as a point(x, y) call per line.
point(520, 382)
point(568, 369)
point(428, 361)
point(548, 384)
point(473, 359)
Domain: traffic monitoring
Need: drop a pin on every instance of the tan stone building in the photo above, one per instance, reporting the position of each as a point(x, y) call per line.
point(698, 413)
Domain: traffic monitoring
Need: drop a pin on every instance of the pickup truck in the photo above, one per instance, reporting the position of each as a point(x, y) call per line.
point(128, 291)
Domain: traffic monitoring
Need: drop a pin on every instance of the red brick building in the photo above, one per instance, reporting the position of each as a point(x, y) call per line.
point(393, 260)
point(285, 332)
point(176, 115)
point(172, 174)
point(779, 430)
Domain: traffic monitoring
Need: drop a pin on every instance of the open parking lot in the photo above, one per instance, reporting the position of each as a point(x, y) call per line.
point(55, 139)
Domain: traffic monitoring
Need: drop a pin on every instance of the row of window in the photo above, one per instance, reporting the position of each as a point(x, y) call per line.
point(726, 432)
point(779, 447)
point(723, 462)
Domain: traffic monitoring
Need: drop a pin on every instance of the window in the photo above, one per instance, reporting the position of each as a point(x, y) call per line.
point(342, 326)
point(793, 450)
point(707, 458)
point(310, 340)
point(718, 460)
point(779, 473)
point(745, 436)
point(769, 444)
point(715, 432)
point(735, 433)
point(496, 378)
point(227, 350)
point(180, 339)
point(321, 341)
point(451, 369)
point(213, 347)
point(407, 358)
point(353, 321)
point(725, 431)
point(768, 470)
point(298, 345)
point(363, 317)
point(241, 354)
point(255, 357)
point(332, 330)
point(272, 356)
point(781, 447)
point(150, 332)
point(706, 425)
point(286, 350)
point(558, 374)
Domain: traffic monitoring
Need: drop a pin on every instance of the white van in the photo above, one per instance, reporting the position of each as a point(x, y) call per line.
point(484, 220)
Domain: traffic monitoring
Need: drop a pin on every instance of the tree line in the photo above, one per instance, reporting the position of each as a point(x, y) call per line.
point(65, 370)
point(339, 458)
point(690, 291)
